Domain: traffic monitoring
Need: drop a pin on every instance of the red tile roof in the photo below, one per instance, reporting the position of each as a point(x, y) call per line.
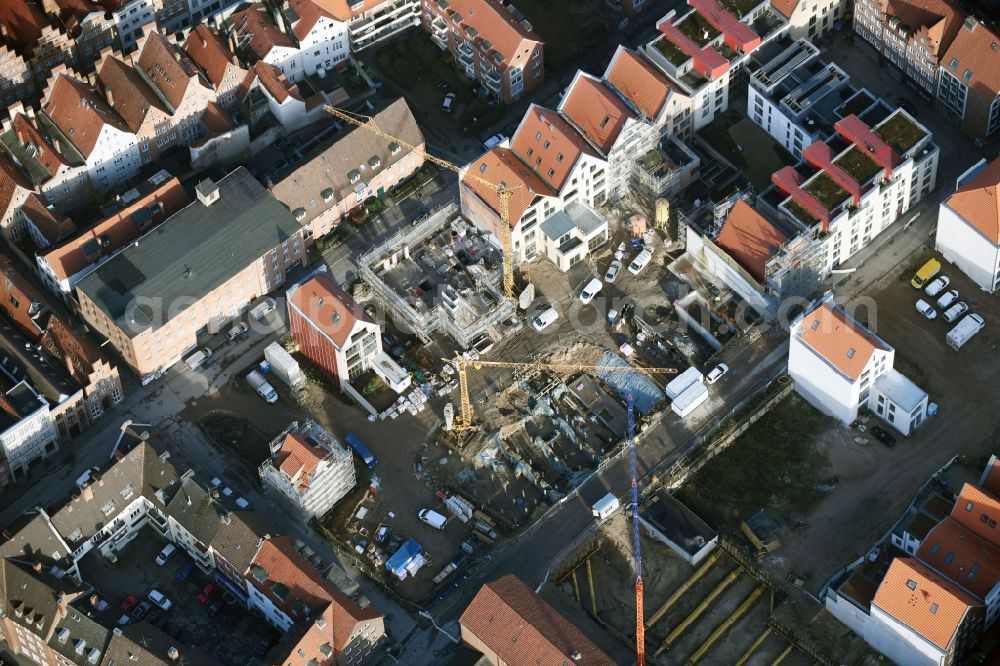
point(24, 21)
point(496, 25)
point(53, 226)
point(638, 81)
point(20, 302)
point(844, 343)
point(45, 153)
point(11, 179)
point(299, 459)
point(169, 69)
point(501, 166)
point(209, 52)
point(129, 94)
point(979, 511)
point(924, 601)
point(523, 630)
point(978, 202)
point(968, 560)
point(328, 307)
point(215, 119)
point(309, 14)
point(976, 51)
point(942, 18)
point(343, 11)
point(750, 238)
point(77, 354)
point(80, 112)
point(256, 30)
point(274, 82)
point(595, 110)
point(549, 145)
point(785, 7)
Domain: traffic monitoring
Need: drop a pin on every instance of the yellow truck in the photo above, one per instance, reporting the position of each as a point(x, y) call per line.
point(926, 274)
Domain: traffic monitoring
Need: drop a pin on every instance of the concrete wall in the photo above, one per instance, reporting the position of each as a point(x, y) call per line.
point(715, 263)
point(900, 644)
point(847, 612)
point(970, 251)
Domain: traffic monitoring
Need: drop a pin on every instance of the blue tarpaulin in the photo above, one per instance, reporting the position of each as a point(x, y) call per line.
point(646, 395)
point(401, 559)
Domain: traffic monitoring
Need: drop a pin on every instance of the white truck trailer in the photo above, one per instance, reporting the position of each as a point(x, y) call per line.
point(284, 366)
point(964, 331)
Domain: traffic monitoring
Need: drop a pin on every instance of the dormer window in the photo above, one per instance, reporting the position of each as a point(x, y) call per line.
point(63, 635)
point(394, 148)
point(354, 175)
point(300, 214)
point(79, 646)
point(374, 162)
point(327, 195)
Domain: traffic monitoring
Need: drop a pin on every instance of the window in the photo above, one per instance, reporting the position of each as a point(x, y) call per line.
point(949, 558)
point(934, 609)
point(935, 548)
point(912, 584)
point(552, 172)
point(984, 519)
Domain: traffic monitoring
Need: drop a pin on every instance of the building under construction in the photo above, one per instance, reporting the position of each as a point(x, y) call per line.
point(441, 275)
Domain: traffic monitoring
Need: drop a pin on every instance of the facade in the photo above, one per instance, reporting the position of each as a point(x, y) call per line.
point(968, 86)
point(649, 93)
point(568, 236)
point(373, 22)
point(810, 20)
point(202, 267)
point(323, 39)
point(310, 468)
point(52, 167)
point(491, 43)
point(968, 229)
point(354, 167)
point(840, 366)
point(265, 89)
point(211, 54)
point(511, 625)
point(701, 51)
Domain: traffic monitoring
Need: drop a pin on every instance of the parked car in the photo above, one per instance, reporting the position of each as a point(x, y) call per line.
point(715, 374)
point(545, 319)
point(159, 599)
point(879, 433)
point(937, 286)
point(238, 331)
point(448, 103)
point(165, 554)
point(214, 607)
point(262, 309)
point(640, 262)
point(130, 602)
point(432, 518)
point(198, 358)
point(185, 572)
point(925, 273)
point(139, 611)
point(613, 271)
point(948, 299)
point(955, 311)
point(926, 309)
point(206, 593)
point(592, 289)
point(494, 141)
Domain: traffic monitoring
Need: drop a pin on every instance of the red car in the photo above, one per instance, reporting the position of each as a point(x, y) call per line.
point(129, 603)
point(206, 593)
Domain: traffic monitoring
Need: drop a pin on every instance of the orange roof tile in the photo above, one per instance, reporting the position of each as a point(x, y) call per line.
point(11, 179)
point(942, 19)
point(548, 145)
point(990, 481)
point(19, 300)
point(76, 352)
point(215, 119)
point(750, 238)
point(80, 113)
point(274, 82)
point(24, 22)
point(523, 630)
point(309, 14)
point(976, 51)
point(785, 7)
point(256, 30)
point(169, 68)
point(328, 307)
point(922, 600)
point(595, 110)
point(968, 560)
point(130, 95)
point(978, 202)
point(979, 511)
point(501, 166)
point(209, 52)
point(496, 25)
point(299, 459)
point(638, 81)
point(843, 342)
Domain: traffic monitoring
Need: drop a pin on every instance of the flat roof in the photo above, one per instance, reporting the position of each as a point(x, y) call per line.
point(191, 253)
point(676, 522)
point(898, 388)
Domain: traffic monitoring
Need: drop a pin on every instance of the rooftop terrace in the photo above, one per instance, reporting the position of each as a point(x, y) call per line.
point(858, 165)
point(826, 191)
point(900, 133)
point(670, 51)
point(696, 28)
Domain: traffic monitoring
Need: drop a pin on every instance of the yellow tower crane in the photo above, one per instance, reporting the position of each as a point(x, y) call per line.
point(503, 191)
point(464, 420)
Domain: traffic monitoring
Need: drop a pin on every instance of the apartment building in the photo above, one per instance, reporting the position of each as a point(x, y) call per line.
point(810, 20)
point(838, 365)
point(491, 43)
point(373, 22)
point(968, 229)
point(702, 50)
point(212, 55)
point(51, 166)
point(61, 265)
point(510, 624)
point(33, 46)
point(201, 268)
point(649, 93)
point(915, 38)
point(309, 468)
point(854, 185)
point(968, 85)
point(266, 90)
point(323, 38)
point(354, 166)
point(258, 38)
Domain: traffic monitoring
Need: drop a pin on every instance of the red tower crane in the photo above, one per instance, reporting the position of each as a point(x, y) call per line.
point(640, 622)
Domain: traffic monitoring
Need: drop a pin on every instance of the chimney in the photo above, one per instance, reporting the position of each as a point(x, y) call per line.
point(36, 566)
point(576, 656)
point(208, 192)
point(111, 97)
point(61, 602)
point(94, 600)
point(173, 653)
point(87, 493)
point(4, 34)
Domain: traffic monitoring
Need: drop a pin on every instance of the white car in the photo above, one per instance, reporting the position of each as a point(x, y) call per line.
point(494, 141)
point(955, 312)
point(926, 309)
point(159, 599)
point(948, 299)
point(592, 289)
point(613, 271)
point(640, 262)
point(715, 374)
point(449, 101)
point(937, 286)
point(237, 331)
point(545, 319)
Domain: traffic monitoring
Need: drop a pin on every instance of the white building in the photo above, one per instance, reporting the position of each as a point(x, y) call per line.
point(259, 38)
point(310, 468)
point(28, 431)
point(810, 19)
point(650, 93)
point(839, 366)
point(323, 39)
point(968, 229)
point(371, 22)
point(568, 236)
point(131, 19)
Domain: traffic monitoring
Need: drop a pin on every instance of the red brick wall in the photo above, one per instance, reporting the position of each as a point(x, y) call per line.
point(312, 343)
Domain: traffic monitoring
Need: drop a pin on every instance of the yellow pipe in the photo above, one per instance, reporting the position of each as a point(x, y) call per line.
point(719, 631)
point(695, 577)
point(753, 647)
point(781, 657)
point(701, 608)
point(576, 585)
point(590, 583)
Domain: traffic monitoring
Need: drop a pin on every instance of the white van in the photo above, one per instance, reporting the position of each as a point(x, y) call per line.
point(432, 518)
point(165, 554)
point(640, 262)
point(605, 507)
point(592, 289)
point(198, 359)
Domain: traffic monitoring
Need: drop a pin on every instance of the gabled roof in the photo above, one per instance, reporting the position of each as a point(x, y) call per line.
point(342, 10)
point(238, 540)
point(80, 112)
point(53, 226)
point(595, 110)
point(142, 644)
point(167, 67)
point(209, 52)
point(35, 538)
point(11, 179)
point(494, 24)
point(196, 511)
point(549, 145)
point(299, 459)
point(968, 560)
point(77, 354)
point(923, 601)
point(25, 22)
point(256, 30)
point(45, 154)
point(328, 307)
point(750, 238)
point(785, 7)
point(84, 621)
point(523, 630)
point(942, 19)
point(309, 13)
point(502, 166)
point(979, 511)
point(130, 95)
point(977, 56)
point(31, 596)
point(978, 202)
point(843, 342)
point(990, 480)
point(641, 83)
point(274, 82)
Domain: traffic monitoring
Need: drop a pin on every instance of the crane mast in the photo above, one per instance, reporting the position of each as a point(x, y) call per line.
point(640, 622)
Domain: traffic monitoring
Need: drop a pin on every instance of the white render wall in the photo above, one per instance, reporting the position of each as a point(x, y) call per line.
point(969, 250)
point(26, 440)
point(772, 120)
point(724, 273)
point(115, 158)
point(326, 45)
point(901, 644)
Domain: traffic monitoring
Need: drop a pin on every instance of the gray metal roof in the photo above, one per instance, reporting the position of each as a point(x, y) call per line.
point(557, 225)
point(191, 253)
point(584, 218)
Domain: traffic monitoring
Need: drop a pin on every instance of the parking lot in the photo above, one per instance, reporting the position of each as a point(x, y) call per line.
point(231, 635)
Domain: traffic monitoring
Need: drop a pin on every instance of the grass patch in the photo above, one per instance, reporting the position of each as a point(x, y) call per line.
point(858, 165)
point(801, 213)
point(860, 102)
point(900, 133)
point(670, 51)
point(697, 29)
point(826, 191)
point(774, 464)
point(569, 28)
point(739, 8)
point(415, 63)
